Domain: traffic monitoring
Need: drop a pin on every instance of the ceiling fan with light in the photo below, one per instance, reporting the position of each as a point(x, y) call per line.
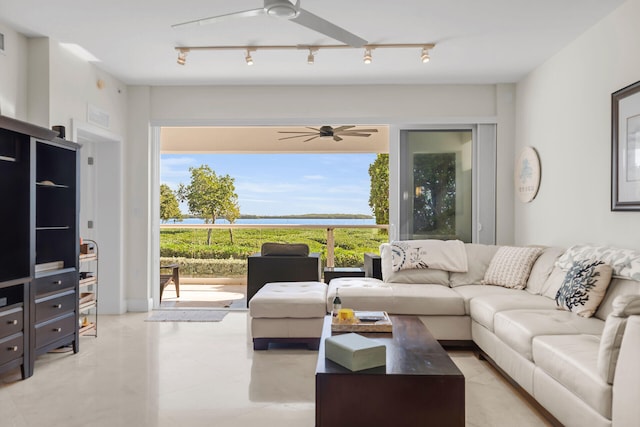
point(285, 9)
point(329, 132)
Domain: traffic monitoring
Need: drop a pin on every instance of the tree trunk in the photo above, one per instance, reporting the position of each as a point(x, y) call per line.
point(231, 235)
point(209, 236)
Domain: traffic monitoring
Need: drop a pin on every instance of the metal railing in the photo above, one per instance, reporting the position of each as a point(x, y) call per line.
point(330, 228)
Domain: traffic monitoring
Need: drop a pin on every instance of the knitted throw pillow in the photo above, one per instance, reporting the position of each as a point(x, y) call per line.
point(510, 267)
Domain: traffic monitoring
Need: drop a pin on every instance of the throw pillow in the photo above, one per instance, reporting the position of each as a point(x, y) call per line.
point(510, 267)
point(584, 287)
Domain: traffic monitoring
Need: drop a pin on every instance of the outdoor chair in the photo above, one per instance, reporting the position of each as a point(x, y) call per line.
point(281, 262)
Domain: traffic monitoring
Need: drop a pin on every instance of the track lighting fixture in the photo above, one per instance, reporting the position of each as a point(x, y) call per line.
point(424, 57)
point(182, 57)
point(311, 57)
point(313, 49)
point(367, 56)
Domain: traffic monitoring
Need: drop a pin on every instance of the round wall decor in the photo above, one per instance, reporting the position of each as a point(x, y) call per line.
point(527, 174)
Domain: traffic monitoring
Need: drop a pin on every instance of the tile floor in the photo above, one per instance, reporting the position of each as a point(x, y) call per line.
point(139, 373)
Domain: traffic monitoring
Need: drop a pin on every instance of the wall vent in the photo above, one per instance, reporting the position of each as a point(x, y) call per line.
point(1, 43)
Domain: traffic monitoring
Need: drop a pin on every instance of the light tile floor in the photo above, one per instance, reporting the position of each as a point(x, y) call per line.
point(139, 373)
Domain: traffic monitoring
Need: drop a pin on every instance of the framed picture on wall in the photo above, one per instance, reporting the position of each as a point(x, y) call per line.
point(625, 149)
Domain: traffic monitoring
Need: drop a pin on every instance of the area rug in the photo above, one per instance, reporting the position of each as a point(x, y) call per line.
point(186, 316)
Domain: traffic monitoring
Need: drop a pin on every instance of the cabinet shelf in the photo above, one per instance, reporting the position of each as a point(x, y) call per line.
point(88, 294)
point(85, 329)
point(8, 159)
point(43, 185)
point(53, 227)
point(88, 257)
point(89, 281)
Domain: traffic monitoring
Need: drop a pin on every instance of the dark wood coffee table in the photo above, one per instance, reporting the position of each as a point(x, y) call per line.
point(419, 386)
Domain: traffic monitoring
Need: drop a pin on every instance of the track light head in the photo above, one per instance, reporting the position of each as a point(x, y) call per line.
point(311, 58)
point(182, 57)
point(248, 58)
point(424, 57)
point(367, 56)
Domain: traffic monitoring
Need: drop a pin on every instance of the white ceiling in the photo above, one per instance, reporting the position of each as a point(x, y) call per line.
point(490, 41)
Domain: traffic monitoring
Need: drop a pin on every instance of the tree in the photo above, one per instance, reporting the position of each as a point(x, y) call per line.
point(232, 213)
point(209, 196)
point(379, 193)
point(169, 208)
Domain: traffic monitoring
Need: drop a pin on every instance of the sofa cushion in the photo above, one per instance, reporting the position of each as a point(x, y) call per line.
point(625, 262)
point(553, 282)
point(542, 268)
point(284, 249)
point(360, 293)
point(289, 299)
point(418, 275)
point(584, 287)
point(617, 287)
point(483, 308)
point(478, 260)
point(611, 340)
point(425, 300)
point(571, 360)
point(469, 292)
point(517, 328)
point(510, 266)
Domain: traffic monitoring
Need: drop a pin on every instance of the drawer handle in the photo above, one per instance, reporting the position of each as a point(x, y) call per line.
point(57, 306)
point(58, 282)
point(13, 348)
point(57, 329)
point(13, 322)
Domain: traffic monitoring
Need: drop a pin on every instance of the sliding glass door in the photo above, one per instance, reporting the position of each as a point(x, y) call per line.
point(441, 182)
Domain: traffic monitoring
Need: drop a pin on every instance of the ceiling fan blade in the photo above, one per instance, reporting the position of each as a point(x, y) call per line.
point(342, 128)
point(355, 134)
point(219, 18)
point(309, 20)
point(297, 131)
point(337, 138)
point(296, 136)
point(362, 130)
point(312, 138)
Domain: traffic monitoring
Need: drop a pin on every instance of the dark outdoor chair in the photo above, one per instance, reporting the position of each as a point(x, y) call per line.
point(281, 262)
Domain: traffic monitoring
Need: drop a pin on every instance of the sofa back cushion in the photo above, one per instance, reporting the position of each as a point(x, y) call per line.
point(553, 282)
point(614, 327)
point(478, 259)
point(542, 269)
point(617, 287)
point(427, 276)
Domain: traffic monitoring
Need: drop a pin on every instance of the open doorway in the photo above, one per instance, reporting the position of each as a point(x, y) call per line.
point(288, 179)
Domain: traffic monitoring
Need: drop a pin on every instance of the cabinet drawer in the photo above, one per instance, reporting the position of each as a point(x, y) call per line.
point(11, 348)
point(55, 283)
point(48, 332)
point(55, 306)
point(11, 321)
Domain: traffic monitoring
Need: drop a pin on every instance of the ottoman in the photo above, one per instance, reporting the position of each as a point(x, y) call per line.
point(288, 312)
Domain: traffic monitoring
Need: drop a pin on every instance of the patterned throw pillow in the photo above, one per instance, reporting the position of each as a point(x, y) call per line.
point(510, 267)
point(584, 287)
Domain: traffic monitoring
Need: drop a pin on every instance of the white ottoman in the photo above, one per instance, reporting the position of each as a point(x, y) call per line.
point(287, 312)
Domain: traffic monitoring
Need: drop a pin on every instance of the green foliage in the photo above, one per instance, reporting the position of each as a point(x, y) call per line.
point(169, 208)
point(379, 193)
point(434, 211)
point(210, 196)
point(216, 259)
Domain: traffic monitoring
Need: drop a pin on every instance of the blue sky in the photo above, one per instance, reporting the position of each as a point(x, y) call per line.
point(283, 184)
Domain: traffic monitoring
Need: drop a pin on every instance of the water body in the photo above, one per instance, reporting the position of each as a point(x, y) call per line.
point(294, 221)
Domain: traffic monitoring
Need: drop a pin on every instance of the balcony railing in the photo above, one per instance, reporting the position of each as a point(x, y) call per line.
point(330, 245)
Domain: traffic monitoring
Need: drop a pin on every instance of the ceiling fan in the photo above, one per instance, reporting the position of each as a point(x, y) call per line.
point(285, 9)
point(329, 132)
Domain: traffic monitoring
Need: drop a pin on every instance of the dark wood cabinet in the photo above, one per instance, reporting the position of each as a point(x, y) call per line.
point(39, 260)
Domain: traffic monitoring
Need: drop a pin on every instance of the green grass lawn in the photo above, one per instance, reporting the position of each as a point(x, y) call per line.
point(221, 258)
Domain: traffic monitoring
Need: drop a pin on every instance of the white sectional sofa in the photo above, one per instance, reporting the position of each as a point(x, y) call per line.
point(585, 371)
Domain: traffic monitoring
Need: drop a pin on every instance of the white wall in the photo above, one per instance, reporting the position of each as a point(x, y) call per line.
point(564, 111)
point(13, 81)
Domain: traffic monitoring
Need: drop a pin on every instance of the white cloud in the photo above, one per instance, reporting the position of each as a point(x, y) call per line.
point(314, 177)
